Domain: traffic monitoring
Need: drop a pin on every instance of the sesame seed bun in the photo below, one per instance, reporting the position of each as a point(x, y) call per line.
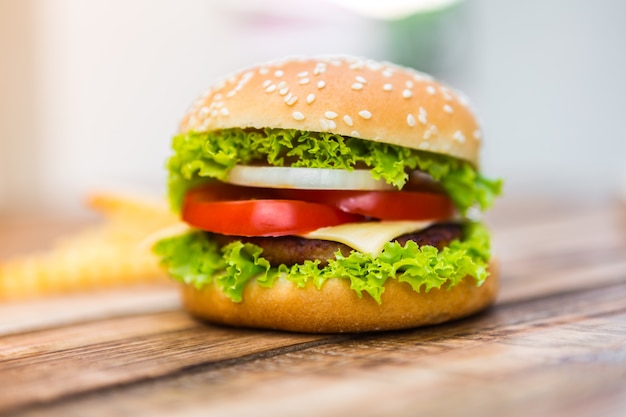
point(337, 308)
point(344, 95)
point(351, 97)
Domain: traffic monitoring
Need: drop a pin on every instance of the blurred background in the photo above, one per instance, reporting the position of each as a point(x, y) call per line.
point(91, 91)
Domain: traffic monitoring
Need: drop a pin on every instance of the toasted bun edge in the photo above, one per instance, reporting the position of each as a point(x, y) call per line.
point(336, 308)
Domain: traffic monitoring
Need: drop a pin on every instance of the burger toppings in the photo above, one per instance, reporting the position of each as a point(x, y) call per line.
point(342, 207)
point(201, 156)
point(230, 210)
point(290, 250)
point(247, 211)
point(305, 178)
point(197, 259)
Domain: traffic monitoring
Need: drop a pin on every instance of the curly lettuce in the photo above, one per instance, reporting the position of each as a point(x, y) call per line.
point(199, 156)
point(196, 259)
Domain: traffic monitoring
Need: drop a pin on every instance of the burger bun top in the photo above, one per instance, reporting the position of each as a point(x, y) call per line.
point(344, 95)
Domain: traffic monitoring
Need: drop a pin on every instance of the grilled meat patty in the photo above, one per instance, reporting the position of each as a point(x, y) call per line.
point(290, 250)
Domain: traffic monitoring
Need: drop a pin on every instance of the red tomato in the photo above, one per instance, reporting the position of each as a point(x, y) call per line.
point(221, 208)
point(383, 205)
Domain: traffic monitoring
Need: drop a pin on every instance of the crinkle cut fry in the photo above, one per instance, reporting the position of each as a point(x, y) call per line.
point(105, 255)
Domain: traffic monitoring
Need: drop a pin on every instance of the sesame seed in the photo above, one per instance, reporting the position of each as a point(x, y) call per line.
point(327, 124)
point(409, 84)
point(291, 101)
point(204, 111)
point(360, 79)
point(224, 111)
point(477, 134)
point(279, 73)
point(321, 84)
point(459, 136)
point(310, 98)
point(304, 81)
point(330, 114)
point(231, 93)
point(365, 114)
point(348, 120)
point(387, 73)
point(424, 145)
point(303, 74)
point(407, 93)
point(446, 94)
point(357, 65)
point(266, 83)
point(410, 120)
point(218, 96)
point(355, 133)
point(281, 85)
point(431, 90)
point(387, 87)
point(283, 91)
point(432, 130)
point(263, 71)
point(422, 116)
point(270, 88)
point(448, 109)
point(373, 65)
point(319, 69)
point(357, 86)
point(297, 115)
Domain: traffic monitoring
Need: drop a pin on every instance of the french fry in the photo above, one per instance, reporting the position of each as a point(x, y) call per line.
point(105, 255)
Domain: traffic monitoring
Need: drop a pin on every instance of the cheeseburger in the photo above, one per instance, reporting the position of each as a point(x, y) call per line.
point(330, 195)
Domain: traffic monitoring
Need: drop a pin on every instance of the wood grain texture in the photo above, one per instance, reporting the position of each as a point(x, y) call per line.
point(93, 355)
point(554, 344)
point(547, 357)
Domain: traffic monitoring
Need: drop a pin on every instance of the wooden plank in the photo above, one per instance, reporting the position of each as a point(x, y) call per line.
point(94, 355)
point(48, 312)
point(550, 356)
point(565, 253)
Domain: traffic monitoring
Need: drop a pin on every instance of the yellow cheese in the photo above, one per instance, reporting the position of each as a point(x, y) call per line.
point(366, 237)
point(369, 237)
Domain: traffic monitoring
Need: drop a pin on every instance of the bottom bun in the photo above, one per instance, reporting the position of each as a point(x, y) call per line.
point(337, 308)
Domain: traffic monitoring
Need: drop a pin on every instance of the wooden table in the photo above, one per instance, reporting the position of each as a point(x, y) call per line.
point(553, 345)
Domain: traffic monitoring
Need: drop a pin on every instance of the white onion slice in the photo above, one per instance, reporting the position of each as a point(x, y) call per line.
point(305, 178)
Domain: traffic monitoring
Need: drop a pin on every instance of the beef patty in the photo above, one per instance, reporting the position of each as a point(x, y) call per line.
point(290, 250)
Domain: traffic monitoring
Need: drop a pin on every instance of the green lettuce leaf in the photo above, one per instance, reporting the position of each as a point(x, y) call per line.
point(196, 259)
point(199, 156)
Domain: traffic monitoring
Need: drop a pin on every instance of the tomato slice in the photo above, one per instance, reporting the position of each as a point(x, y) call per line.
point(222, 209)
point(383, 205)
point(250, 211)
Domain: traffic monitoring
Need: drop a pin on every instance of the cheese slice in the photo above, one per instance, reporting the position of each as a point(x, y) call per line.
point(366, 237)
point(369, 237)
